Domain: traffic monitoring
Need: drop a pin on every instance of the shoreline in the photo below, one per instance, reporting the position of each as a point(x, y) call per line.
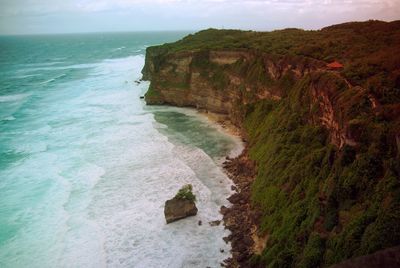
point(240, 218)
point(222, 121)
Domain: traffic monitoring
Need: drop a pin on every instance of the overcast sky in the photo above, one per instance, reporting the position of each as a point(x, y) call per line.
point(66, 16)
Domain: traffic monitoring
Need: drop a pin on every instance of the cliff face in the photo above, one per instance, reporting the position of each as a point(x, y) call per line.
point(208, 79)
point(325, 143)
point(215, 81)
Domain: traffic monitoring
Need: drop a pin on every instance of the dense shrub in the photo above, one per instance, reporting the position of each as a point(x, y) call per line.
point(369, 51)
point(320, 204)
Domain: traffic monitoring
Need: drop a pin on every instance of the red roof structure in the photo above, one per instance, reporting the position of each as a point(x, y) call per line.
point(335, 65)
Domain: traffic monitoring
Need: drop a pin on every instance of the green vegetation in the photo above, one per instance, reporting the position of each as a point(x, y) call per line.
point(368, 50)
point(321, 202)
point(186, 193)
point(154, 95)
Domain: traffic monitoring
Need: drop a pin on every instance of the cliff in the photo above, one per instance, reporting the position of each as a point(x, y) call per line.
point(222, 81)
point(326, 143)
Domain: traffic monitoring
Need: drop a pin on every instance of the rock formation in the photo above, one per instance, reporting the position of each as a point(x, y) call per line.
point(322, 145)
point(181, 206)
point(176, 209)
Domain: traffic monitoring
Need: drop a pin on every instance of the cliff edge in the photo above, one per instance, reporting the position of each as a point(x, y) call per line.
point(325, 142)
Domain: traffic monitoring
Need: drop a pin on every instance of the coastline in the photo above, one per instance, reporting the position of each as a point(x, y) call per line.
point(223, 122)
point(325, 141)
point(240, 218)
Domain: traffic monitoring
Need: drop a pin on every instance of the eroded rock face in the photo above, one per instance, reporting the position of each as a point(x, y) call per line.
point(178, 79)
point(241, 83)
point(176, 209)
point(215, 85)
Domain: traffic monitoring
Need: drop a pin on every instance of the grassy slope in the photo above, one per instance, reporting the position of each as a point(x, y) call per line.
point(320, 204)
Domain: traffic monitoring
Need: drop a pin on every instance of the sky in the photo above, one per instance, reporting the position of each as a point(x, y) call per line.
point(73, 16)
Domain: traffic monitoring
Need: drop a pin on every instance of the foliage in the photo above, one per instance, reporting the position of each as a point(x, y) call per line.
point(368, 50)
point(320, 203)
point(186, 193)
point(152, 93)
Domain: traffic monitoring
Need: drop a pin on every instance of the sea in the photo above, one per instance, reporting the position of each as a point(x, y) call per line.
point(86, 166)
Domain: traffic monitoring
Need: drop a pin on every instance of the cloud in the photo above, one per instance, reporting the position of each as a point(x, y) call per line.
point(48, 15)
point(13, 7)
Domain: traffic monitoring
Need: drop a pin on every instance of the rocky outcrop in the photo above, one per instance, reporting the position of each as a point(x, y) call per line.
point(320, 171)
point(225, 81)
point(214, 80)
point(178, 208)
point(242, 217)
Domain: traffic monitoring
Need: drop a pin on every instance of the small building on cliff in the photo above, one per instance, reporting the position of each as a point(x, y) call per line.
point(335, 66)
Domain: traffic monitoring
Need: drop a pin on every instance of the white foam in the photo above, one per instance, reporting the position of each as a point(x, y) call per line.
point(119, 48)
point(9, 118)
point(45, 63)
point(110, 171)
point(13, 97)
point(53, 79)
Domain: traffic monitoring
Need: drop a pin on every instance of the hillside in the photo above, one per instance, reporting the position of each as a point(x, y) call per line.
point(325, 143)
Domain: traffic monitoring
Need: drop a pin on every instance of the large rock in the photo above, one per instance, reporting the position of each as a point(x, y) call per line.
point(178, 208)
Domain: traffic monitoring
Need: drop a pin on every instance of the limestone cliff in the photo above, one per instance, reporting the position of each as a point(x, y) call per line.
point(210, 80)
point(325, 142)
point(214, 81)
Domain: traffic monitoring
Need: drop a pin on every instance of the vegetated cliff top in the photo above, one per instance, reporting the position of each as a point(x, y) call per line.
point(320, 201)
point(369, 50)
point(344, 42)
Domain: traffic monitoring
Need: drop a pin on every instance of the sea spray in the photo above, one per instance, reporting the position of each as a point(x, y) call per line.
point(86, 167)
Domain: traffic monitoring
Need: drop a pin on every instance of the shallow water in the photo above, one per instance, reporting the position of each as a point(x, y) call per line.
point(85, 166)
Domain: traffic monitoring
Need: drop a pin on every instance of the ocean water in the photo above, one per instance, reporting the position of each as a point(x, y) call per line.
point(86, 166)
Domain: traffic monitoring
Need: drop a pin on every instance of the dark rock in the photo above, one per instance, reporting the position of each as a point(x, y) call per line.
point(214, 223)
point(248, 241)
point(241, 217)
point(200, 223)
point(177, 208)
point(242, 257)
point(221, 250)
point(223, 210)
point(234, 199)
point(142, 97)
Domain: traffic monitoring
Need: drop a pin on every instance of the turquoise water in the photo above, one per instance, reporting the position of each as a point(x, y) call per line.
point(85, 166)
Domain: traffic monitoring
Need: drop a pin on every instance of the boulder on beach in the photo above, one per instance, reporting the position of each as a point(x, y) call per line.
point(181, 206)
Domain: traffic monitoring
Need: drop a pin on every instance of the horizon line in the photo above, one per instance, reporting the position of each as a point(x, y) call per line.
point(186, 30)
